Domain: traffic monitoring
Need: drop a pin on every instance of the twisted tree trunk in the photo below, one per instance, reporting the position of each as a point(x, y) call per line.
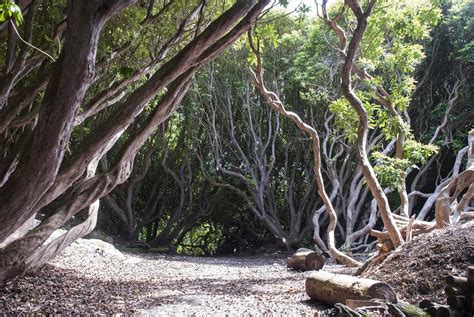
point(362, 133)
point(457, 194)
point(275, 103)
point(70, 79)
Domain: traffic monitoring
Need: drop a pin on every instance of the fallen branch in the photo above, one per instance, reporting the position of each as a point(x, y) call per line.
point(338, 288)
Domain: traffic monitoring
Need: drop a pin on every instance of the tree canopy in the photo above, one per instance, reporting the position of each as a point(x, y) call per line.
point(211, 127)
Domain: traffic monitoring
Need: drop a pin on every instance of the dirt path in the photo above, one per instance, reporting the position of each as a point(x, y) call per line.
point(93, 277)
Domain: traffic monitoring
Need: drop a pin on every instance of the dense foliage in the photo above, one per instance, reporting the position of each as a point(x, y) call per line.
point(250, 165)
point(223, 172)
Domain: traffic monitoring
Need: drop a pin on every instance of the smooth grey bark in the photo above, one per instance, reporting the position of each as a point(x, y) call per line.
point(355, 102)
point(274, 102)
point(458, 193)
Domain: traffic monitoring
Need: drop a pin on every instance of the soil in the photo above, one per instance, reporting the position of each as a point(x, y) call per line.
point(92, 277)
point(419, 269)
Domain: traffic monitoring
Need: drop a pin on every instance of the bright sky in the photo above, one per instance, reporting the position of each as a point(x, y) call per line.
point(292, 4)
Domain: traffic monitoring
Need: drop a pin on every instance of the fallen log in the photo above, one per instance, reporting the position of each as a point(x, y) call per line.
point(470, 277)
point(460, 295)
point(435, 309)
point(458, 282)
point(443, 311)
point(305, 260)
point(338, 288)
point(456, 302)
point(452, 291)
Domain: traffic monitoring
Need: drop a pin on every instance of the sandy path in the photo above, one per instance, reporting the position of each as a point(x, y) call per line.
point(91, 278)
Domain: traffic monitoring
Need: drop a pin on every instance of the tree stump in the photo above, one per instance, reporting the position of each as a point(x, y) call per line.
point(305, 260)
point(338, 288)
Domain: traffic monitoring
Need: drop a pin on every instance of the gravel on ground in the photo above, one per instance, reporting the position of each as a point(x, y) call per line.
point(92, 277)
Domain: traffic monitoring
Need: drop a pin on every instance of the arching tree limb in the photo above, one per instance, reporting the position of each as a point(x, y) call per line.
point(275, 103)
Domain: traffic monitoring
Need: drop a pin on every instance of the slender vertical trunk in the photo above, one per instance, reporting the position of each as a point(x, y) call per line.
point(362, 133)
point(402, 189)
point(275, 103)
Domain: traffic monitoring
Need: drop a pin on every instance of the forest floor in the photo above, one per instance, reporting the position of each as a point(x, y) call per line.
point(419, 269)
point(93, 277)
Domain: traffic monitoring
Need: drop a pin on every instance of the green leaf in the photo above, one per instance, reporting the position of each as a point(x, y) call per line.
point(10, 9)
point(16, 11)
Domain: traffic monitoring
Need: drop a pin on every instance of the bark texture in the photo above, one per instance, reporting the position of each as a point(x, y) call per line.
point(305, 260)
point(337, 288)
point(362, 134)
point(276, 104)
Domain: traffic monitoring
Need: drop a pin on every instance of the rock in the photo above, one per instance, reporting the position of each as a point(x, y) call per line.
point(100, 235)
point(101, 247)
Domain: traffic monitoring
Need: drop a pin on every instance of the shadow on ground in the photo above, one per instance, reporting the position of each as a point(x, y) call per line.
point(70, 291)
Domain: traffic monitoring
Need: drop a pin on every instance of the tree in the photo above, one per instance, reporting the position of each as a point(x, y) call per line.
point(275, 103)
point(60, 183)
point(243, 139)
point(394, 102)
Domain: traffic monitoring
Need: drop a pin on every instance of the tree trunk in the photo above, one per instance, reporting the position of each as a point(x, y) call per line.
point(70, 79)
point(362, 133)
point(48, 251)
point(275, 103)
point(33, 250)
point(448, 198)
point(448, 203)
point(33, 186)
point(338, 288)
point(20, 232)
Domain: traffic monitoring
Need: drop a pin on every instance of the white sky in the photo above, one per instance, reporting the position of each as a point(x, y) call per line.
point(310, 3)
point(292, 4)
